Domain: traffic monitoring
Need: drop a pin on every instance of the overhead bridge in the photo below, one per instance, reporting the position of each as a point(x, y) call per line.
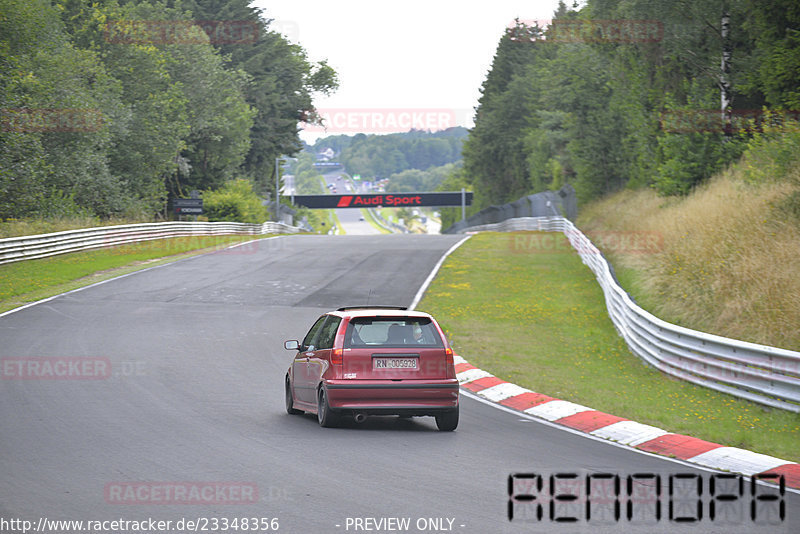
point(387, 200)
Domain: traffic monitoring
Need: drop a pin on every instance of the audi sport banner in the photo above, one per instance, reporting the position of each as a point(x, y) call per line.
point(386, 200)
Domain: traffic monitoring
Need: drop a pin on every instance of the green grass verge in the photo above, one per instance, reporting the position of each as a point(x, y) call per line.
point(336, 222)
point(390, 214)
point(371, 220)
point(31, 280)
point(522, 306)
point(332, 217)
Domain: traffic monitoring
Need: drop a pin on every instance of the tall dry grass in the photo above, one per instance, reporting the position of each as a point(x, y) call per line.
point(729, 260)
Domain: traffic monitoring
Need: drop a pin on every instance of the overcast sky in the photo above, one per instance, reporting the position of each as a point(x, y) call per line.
point(419, 62)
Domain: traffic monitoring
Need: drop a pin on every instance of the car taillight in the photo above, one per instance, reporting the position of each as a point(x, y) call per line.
point(336, 356)
point(449, 363)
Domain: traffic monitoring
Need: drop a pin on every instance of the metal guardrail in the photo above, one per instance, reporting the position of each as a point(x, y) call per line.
point(387, 225)
point(760, 373)
point(14, 249)
point(545, 204)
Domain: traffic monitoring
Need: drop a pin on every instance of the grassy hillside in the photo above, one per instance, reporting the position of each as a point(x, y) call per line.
point(723, 259)
point(524, 307)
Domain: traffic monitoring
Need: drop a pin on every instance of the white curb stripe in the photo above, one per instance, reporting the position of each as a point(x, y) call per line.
point(562, 428)
point(502, 391)
point(471, 374)
point(629, 432)
point(738, 460)
point(622, 433)
point(458, 359)
point(556, 409)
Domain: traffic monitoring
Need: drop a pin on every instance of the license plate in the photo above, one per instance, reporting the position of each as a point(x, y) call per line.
point(395, 363)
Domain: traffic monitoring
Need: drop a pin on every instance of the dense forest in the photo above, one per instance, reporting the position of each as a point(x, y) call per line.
point(412, 180)
point(112, 107)
point(108, 108)
point(412, 161)
point(592, 100)
point(379, 156)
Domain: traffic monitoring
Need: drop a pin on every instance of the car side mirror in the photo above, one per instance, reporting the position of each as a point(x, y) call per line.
point(292, 344)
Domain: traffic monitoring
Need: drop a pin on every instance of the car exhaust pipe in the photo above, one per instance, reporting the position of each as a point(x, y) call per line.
point(360, 417)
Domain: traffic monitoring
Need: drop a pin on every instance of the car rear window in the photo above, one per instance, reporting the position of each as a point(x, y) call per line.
point(392, 332)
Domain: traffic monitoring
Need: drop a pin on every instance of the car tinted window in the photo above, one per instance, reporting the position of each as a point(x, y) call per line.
point(328, 332)
point(370, 332)
point(309, 339)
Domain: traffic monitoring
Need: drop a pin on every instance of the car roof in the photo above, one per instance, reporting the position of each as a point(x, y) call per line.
point(377, 312)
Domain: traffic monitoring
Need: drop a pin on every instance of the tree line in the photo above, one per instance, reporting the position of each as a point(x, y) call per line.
point(590, 99)
point(380, 156)
point(109, 108)
point(429, 179)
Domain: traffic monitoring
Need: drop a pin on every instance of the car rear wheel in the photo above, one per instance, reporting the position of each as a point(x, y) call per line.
point(290, 409)
point(325, 416)
point(447, 421)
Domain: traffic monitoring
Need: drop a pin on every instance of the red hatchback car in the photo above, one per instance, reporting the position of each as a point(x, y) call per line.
point(378, 360)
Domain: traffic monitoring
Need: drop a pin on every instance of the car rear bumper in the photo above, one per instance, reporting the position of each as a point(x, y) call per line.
point(403, 397)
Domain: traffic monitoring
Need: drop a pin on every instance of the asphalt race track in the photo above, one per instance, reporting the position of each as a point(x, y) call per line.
point(349, 218)
point(195, 397)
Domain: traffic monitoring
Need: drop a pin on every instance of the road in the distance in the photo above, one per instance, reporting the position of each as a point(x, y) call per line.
point(196, 397)
point(351, 219)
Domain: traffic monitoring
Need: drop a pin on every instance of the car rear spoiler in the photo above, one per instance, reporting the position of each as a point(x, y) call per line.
point(347, 308)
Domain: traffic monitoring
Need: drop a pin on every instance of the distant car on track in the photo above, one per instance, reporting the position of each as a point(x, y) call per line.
point(378, 360)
